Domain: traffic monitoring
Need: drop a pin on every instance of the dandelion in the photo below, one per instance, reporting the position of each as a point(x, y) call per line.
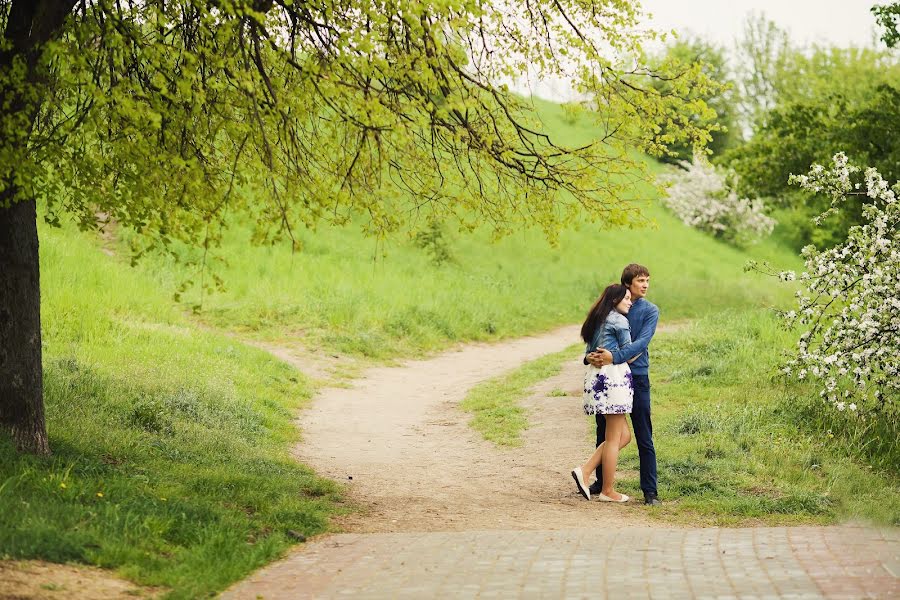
point(63, 485)
point(99, 494)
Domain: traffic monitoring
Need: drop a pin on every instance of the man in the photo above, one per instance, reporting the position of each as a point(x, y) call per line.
point(642, 318)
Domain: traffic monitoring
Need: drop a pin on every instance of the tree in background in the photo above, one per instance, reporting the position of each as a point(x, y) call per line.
point(711, 60)
point(761, 55)
point(820, 101)
point(167, 115)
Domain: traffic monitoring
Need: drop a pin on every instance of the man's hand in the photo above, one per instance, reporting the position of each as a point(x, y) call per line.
point(600, 357)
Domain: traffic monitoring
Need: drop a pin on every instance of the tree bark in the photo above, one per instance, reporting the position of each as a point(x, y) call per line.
point(21, 377)
point(29, 25)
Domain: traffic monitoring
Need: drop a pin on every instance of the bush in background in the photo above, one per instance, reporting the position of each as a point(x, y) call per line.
point(702, 197)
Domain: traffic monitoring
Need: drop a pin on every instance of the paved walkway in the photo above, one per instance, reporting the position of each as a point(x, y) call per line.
point(798, 563)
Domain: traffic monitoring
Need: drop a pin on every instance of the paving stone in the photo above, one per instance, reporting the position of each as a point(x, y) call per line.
point(797, 563)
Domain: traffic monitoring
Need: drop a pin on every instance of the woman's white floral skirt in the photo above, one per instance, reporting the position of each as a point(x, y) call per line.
point(608, 390)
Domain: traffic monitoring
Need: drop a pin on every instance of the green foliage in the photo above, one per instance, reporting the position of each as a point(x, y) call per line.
point(722, 120)
point(170, 445)
point(168, 116)
point(827, 101)
point(888, 16)
point(772, 71)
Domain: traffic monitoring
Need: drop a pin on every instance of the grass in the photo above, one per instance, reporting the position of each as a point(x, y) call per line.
point(170, 444)
point(342, 294)
point(731, 449)
point(494, 403)
point(171, 441)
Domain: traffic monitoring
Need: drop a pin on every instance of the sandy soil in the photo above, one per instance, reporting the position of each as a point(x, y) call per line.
point(36, 580)
point(400, 443)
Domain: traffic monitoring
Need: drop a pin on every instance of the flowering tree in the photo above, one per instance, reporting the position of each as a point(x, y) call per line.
point(700, 196)
point(849, 301)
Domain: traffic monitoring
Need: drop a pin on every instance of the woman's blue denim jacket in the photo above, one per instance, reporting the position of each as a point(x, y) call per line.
point(614, 334)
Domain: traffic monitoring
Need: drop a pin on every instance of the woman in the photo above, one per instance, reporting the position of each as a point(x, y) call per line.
point(608, 390)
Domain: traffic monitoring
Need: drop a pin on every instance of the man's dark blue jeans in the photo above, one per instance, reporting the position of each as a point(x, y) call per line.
point(643, 434)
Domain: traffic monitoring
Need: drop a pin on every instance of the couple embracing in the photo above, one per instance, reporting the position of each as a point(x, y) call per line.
point(617, 331)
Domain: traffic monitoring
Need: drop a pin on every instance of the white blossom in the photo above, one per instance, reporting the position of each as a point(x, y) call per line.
point(850, 296)
point(700, 196)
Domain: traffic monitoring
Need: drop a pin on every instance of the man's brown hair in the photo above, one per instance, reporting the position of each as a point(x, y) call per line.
point(631, 271)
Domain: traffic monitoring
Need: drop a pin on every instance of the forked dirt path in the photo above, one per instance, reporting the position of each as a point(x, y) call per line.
point(449, 515)
point(400, 442)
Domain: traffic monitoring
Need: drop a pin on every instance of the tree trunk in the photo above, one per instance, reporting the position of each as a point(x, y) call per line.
point(29, 25)
point(21, 377)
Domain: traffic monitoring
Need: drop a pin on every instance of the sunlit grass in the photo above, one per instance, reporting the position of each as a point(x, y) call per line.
point(170, 444)
point(494, 404)
point(731, 445)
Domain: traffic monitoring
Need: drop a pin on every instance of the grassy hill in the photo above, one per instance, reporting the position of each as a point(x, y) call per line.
point(387, 298)
point(171, 437)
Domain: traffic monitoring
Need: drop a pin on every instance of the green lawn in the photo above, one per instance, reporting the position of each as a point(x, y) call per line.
point(735, 442)
point(170, 444)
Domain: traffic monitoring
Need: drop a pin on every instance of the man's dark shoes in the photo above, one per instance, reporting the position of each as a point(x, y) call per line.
point(596, 488)
point(651, 500)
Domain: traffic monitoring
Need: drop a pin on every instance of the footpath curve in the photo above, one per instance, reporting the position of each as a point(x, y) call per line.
point(447, 514)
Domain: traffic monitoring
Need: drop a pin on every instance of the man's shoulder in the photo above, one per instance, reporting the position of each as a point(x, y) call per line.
point(648, 307)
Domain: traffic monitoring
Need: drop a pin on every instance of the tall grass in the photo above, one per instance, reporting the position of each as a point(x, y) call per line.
point(385, 298)
point(170, 444)
point(729, 444)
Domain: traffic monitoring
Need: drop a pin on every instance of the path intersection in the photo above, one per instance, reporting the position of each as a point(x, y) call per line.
point(444, 514)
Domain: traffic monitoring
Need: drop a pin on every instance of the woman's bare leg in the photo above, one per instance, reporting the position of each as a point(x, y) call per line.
point(626, 435)
point(590, 467)
point(615, 426)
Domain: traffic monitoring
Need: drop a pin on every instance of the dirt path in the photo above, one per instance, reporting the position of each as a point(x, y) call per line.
point(448, 515)
point(38, 580)
point(399, 441)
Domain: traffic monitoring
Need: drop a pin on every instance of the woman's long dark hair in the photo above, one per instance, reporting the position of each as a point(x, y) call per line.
point(596, 317)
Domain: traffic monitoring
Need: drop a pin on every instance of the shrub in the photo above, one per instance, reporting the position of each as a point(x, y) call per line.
point(849, 302)
point(701, 196)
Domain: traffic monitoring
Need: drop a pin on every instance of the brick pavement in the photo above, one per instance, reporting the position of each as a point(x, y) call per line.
point(753, 563)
